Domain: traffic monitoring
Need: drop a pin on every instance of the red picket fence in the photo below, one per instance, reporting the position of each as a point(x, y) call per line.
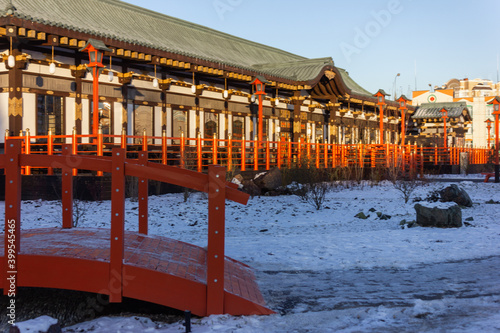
point(198, 153)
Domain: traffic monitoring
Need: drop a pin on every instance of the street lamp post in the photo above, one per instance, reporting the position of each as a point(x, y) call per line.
point(444, 111)
point(381, 102)
point(496, 113)
point(96, 49)
point(260, 90)
point(402, 106)
point(394, 86)
point(488, 126)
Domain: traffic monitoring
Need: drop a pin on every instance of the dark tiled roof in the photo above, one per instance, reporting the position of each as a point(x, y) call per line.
point(128, 23)
point(352, 85)
point(433, 110)
point(124, 22)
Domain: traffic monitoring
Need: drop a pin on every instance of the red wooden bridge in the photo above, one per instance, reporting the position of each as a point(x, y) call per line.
point(121, 263)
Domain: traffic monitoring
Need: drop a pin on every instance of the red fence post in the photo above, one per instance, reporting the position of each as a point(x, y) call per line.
point(215, 149)
point(115, 284)
point(124, 139)
point(164, 147)
point(100, 144)
point(183, 151)
point(74, 147)
point(27, 144)
point(67, 190)
point(289, 153)
point(50, 149)
point(216, 234)
point(198, 150)
point(256, 154)
point(144, 140)
point(243, 154)
point(12, 231)
point(143, 196)
point(229, 152)
point(278, 159)
point(268, 153)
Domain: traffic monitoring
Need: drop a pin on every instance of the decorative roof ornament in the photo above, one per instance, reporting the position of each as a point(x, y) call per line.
point(10, 9)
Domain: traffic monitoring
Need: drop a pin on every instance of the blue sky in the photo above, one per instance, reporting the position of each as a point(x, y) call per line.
point(373, 40)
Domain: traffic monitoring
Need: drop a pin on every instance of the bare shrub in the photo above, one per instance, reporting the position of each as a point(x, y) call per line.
point(80, 209)
point(310, 184)
point(405, 181)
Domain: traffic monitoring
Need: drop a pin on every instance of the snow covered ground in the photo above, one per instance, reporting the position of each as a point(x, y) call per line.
point(328, 271)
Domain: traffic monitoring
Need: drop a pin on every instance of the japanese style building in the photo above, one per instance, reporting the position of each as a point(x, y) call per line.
point(428, 126)
point(165, 75)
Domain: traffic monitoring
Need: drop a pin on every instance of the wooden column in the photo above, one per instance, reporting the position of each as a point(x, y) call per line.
point(143, 196)
point(117, 226)
point(15, 90)
point(297, 102)
point(12, 234)
point(67, 190)
point(79, 73)
point(216, 234)
point(125, 79)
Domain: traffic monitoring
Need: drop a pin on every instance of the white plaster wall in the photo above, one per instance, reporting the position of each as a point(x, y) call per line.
point(130, 123)
point(192, 124)
point(69, 117)
point(230, 124)
point(222, 125)
point(169, 125)
point(85, 119)
point(117, 121)
point(4, 115)
point(29, 112)
point(157, 130)
point(247, 128)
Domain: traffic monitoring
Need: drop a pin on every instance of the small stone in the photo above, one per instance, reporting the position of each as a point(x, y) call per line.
point(469, 219)
point(373, 210)
point(385, 217)
point(361, 215)
point(403, 222)
point(379, 214)
point(264, 230)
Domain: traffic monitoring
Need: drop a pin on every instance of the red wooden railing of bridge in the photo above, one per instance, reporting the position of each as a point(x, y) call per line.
point(197, 153)
point(118, 165)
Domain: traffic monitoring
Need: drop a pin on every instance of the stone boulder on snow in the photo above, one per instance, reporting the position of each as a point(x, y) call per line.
point(455, 194)
point(439, 216)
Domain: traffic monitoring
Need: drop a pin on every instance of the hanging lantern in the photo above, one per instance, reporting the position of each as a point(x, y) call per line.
point(11, 61)
point(155, 83)
point(52, 68)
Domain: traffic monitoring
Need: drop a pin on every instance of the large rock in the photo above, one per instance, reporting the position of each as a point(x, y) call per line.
point(455, 194)
point(270, 180)
point(450, 217)
point(250, 188)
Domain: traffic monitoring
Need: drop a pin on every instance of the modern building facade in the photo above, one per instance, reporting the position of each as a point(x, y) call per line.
point(165, 75)
point(476, 94)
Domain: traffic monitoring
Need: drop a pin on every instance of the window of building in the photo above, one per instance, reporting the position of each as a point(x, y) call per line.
point(50, 115)
point(179, 124)
point(143, 120)
point(211, 122)
point(238, 128)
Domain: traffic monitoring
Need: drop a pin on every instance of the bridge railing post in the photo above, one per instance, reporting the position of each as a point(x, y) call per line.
point(143, 196)
point(216, 234)
point(115, 283)
point(67, 190)
point(12, 229)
